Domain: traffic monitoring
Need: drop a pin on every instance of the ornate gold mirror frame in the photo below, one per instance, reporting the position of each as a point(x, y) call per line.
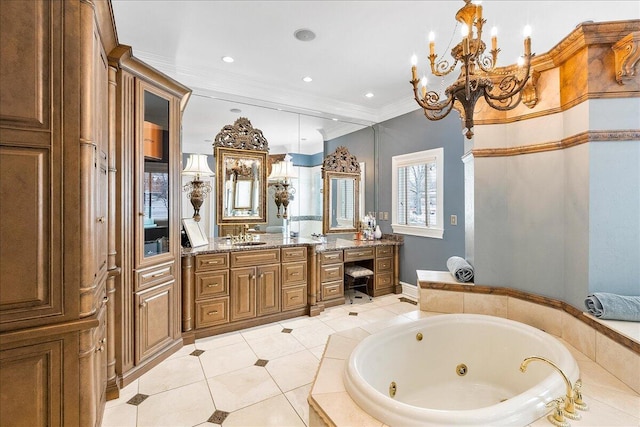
point(341, 187)
point(241, 170)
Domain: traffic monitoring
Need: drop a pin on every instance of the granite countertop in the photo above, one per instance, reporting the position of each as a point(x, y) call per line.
point(278, 240)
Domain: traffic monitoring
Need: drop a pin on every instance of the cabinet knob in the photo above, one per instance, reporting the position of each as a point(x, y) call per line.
point(141, 213)
point(143, 304)
point(102, 219)
point(261, 275)
point(101, 348)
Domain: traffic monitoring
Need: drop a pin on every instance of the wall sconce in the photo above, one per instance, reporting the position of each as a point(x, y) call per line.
point(197, 189)
point(280, 177)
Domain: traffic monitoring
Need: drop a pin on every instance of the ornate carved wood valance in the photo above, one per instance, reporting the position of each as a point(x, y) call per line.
point(242, 136)
point(341, 161)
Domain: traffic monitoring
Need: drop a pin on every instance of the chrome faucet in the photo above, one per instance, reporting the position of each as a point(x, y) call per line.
point(569, 400)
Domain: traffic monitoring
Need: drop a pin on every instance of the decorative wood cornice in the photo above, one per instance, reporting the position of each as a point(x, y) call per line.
point(241, 135)
point(581, 138)
point(341, 161)
point(627, 54)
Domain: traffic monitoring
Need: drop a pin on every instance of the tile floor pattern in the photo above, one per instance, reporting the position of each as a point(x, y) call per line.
point(254, 377)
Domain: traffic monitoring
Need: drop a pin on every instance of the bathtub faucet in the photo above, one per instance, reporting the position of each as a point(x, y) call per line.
point(569, 401)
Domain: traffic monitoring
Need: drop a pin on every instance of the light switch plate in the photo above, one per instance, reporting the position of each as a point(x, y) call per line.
point(454, 219)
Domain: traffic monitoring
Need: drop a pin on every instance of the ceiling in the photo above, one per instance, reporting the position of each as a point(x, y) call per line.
point(360, 47)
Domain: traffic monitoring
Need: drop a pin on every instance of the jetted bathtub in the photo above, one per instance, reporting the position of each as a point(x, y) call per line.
point(463, 370)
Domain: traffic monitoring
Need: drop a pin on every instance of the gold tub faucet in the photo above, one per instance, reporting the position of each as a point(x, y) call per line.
point(569, 401)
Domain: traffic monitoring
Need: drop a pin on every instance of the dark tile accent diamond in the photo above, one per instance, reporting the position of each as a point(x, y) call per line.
point(410, 301)
point(196, 352)
point(261, 362)
point(287, 331)
point(218, 417)
point(137, 399)
point(353, 313)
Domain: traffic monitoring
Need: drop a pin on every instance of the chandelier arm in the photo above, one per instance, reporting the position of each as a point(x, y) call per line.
point(504, 105)
point(431, 99)
point(506, 95)
point(438, 115)
point(485, 63)
point(441, 68)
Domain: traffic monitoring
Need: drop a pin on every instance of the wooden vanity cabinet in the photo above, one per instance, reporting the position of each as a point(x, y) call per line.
point(148, 113)
point(331, 281)
point(294, 278)
point(255, 290)
point(383, 269)
point(211, 281)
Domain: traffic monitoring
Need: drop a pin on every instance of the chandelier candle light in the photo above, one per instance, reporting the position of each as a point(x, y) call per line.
point(197, 189)
point(478, 74)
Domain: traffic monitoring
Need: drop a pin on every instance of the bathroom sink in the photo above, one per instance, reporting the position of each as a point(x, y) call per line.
point(254, 243)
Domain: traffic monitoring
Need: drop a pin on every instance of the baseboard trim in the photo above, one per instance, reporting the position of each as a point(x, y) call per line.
point(409, 290)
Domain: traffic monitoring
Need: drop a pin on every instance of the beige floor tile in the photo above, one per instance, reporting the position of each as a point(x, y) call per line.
point(122, 415)
point(418, 314)
point(346, 322)
point(184, 406)
point(317, 351)
point(126, 393)
point(170, 374)
point(331, 313)
point(374, 327)
point(378, 314)
point(184, 351)
point(386, 300)
point(601, 414)
point(294, 370)
point(401, 307)
point(261, 331)
point(356, 333)
point(242, 388)
point(272, 346)
point(313, 335)
point(227, 359)
point(273, 412)
point(298, 399)
point(300, 322)
point(218, 341)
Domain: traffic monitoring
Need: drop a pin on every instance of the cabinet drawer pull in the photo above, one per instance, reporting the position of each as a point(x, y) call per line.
point(295, 273)
point(213, 262)
point(295, 297)
point(334, 256)
point(211, 313)
point(212, 285)
point(162, 273)
point(332, 290)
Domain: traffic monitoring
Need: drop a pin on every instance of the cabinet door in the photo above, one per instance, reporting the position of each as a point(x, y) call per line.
point(154, 320)
point(268, 289)
point(243, 293)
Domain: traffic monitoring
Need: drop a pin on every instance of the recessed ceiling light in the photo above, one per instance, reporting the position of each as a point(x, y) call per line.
point(368, 95)
point(307, 79)
point(334, 119)
point(227, 59)
point(304, 35)
point(236, 110)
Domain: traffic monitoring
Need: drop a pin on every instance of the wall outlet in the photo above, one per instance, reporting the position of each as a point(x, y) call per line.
point(454, 219)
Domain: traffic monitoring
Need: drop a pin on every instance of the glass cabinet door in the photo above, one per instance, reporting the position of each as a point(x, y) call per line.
point(155, 177)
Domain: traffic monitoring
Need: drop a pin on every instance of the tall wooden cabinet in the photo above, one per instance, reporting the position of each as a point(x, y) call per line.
point(149, 106)
point(54, 202)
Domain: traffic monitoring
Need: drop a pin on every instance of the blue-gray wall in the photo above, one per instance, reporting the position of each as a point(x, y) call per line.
point(409, 133)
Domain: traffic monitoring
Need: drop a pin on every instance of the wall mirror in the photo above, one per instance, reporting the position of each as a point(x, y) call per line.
point(341, 184)
point(300, 135)
point(241, 186)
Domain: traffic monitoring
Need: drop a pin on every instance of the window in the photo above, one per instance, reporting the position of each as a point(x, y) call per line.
point(418, 193)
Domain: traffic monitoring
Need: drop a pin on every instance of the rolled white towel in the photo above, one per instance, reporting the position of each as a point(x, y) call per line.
point(460, 269)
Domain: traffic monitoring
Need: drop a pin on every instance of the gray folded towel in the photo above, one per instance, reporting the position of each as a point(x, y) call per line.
point(613, 307)
point(460, 268)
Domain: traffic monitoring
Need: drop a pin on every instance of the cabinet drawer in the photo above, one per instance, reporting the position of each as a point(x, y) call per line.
point(332, 290)
point(210, 313)
point(212, 262)
point(294, 297)
point(294, 254)
point(384, 251)
point(330, 273)
point(330, 257)
point(154, 275)
point(384, 264)
point(294, 274)
point(212, 284)
point(384, 280)
point(358, 254)
point(253, 258)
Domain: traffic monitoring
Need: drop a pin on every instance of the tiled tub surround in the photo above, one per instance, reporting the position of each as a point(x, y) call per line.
point(611, 402)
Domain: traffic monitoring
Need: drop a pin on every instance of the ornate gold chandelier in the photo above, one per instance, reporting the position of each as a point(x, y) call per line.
point(478, 74)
